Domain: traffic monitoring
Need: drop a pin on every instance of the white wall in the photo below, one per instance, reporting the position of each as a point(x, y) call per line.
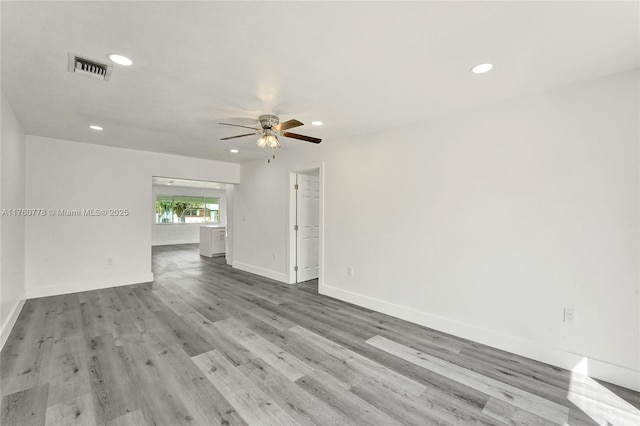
point(494, 220)
point(183, 233)
point(230, 191)
point(68, 254)
point(260, 218)
point(12, 184)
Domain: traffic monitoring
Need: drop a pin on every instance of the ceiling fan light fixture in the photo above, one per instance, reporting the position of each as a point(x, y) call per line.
point(273, 142)
point(262, 141)
point(271, 129)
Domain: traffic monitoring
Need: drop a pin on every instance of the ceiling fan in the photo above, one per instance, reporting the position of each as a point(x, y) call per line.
point(271, 129)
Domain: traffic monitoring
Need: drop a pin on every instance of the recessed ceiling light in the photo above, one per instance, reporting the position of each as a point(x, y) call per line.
point(94, 127)
point(316, 123)
point(234, 151)
point(481, 68)
point(120, 60)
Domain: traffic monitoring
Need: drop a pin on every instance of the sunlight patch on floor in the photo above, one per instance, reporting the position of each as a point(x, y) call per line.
point(598, 402)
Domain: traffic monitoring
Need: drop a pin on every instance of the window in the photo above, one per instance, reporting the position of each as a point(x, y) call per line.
point(163, 209)
point(212, 209)
point(187, 209)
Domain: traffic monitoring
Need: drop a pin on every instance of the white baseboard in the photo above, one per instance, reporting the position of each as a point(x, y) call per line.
point(173, 242)
point(66, 288)
point(274, 275)
point(10, 322)
point(598, 369)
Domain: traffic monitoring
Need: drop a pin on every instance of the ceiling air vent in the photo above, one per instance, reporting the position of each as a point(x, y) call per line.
point(88, 67)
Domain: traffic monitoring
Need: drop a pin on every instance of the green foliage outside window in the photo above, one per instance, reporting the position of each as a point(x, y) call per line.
point(163, 209)
point(187, 209)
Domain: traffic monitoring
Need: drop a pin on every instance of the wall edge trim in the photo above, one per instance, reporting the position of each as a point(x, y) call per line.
point(603, 370)
point(274, 275)
point(78, 287)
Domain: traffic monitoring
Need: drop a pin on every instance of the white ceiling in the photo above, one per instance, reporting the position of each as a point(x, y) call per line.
point(187, 183)
point(359, 67)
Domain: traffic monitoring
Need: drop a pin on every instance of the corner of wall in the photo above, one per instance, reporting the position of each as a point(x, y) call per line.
point(12, 235)
point(7, 327)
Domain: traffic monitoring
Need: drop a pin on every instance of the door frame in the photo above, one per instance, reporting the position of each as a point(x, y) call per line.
point(291, 258)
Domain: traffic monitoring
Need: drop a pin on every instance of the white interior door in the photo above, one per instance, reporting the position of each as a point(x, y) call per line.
point(308, 227)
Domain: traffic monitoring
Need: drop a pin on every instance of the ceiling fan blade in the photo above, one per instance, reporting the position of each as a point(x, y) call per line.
point(301, 137)
point(240, 136)
point(237, 125)
point(287, 125)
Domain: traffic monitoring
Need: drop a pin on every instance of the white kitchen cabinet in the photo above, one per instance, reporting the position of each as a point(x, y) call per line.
point(212, 240)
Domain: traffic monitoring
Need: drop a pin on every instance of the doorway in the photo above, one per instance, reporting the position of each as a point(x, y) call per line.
point(306, 225)
point(184, 207)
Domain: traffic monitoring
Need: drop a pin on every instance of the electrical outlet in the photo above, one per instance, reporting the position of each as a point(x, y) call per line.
point(109, 261)
point(569, 315)
point(350, 271)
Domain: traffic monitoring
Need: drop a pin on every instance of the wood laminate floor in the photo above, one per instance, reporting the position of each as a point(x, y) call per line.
point(205, 344)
